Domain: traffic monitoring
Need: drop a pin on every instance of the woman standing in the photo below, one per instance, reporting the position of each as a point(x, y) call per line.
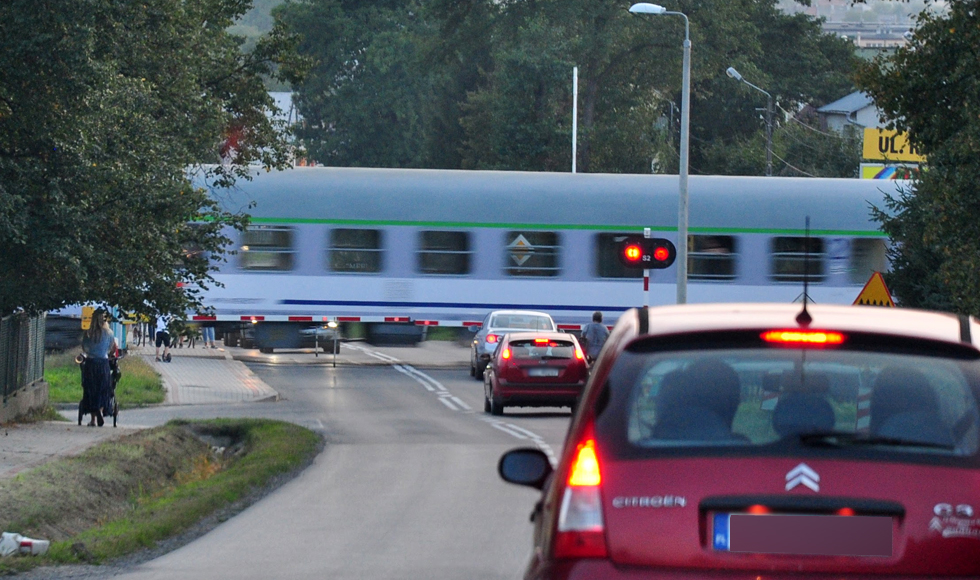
point(97, 343)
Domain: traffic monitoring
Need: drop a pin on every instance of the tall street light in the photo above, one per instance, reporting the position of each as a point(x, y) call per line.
point(732, 73)
point(646, 8)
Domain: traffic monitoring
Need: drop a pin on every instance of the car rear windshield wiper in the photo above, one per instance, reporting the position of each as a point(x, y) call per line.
point(848, 438)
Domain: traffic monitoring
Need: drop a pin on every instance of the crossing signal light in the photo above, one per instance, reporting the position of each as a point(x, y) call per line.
point(647, 253)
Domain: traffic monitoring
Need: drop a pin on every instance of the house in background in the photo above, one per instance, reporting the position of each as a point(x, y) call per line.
point(855, 109)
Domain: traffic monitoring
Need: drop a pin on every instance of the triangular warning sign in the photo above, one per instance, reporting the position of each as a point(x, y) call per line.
point(875, 293)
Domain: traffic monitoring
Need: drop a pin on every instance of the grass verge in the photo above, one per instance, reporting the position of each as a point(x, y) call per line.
point(127, 495)
point(139, 385)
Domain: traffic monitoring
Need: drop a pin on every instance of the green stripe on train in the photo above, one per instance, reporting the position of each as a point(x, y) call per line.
point(588, 227)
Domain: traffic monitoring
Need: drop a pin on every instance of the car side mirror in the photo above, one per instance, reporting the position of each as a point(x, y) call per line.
point(474, 329)
point(525, 466)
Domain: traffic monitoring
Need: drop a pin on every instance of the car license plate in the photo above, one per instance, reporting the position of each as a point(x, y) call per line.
point(803, 534)
point(542, 372)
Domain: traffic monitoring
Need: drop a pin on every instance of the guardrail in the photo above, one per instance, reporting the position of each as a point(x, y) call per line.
point(21, 353)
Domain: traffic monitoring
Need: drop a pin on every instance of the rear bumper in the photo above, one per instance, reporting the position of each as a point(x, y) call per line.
point(591, 569)
point(548, 395)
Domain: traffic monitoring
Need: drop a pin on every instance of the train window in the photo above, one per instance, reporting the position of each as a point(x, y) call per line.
point(444, 252)
point(867, 257)
point(789, 259)
point(711, 257)
point(532, 254)
point(267, 248)
point(355, 250)
point(607, 264)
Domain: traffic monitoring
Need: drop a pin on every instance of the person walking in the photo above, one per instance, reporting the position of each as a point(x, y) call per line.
point(163, 337)
point(594, 334)
point(98, 343)
point(207, 336)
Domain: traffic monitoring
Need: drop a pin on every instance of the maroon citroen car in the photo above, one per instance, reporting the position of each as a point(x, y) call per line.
point(767, 441)
point(535, 369)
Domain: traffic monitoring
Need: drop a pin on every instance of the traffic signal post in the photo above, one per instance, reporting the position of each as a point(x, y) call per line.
point(647, 253)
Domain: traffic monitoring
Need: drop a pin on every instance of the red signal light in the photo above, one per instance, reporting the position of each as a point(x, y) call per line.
point(649, 253)
point(633, 253)
point(491, 338)
point(505, 354)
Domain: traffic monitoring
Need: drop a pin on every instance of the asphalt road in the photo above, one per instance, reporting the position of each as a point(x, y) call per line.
point(405, 488)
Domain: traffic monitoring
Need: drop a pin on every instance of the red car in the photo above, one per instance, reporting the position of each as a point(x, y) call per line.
point(765, 441)
point(534, 369)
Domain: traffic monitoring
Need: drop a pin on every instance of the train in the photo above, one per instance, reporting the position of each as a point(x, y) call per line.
point(398, 249)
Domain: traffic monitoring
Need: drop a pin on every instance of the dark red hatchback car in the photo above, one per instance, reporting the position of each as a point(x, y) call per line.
point(759, 441)
point(535, 369)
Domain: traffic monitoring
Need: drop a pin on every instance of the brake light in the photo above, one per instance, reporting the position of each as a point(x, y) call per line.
point(491, 338)
point(581, 529)
point(505, 354)
point(803, 337)
point(578, 353)
point(585, 469)
point(541, 341)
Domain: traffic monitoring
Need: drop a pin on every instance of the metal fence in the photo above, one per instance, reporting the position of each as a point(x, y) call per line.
point(21, 352)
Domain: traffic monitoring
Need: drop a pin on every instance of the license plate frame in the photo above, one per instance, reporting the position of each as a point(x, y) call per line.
point(803, 534)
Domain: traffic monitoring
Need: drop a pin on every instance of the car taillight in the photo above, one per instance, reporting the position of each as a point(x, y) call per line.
point(493, 338)
point(578, 353)
point(505, 354)
point(581, 530)
point(798, 338)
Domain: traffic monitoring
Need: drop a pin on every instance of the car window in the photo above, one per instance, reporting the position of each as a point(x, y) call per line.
point(760, 397)
point(523, 322)
point(542, 349)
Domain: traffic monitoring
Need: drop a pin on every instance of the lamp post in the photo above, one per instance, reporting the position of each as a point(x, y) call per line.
point(682, 212)
point(732, 73)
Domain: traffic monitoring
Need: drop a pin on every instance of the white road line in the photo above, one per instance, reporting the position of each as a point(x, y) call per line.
point(454, 403)
point(506, 429)
point(461, 403)
point(405, 372)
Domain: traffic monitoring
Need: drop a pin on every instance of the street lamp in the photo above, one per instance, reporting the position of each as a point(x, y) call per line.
point(647, 8)
point(732, 73)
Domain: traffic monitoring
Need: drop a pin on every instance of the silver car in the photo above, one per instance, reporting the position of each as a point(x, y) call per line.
point(495, 326)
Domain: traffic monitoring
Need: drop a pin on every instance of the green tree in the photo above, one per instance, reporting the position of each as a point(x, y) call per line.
point(104, 105)
point(362, 105)
point(930, 88)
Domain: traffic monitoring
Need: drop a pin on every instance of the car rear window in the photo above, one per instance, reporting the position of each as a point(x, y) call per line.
point(768, 397)
point(542, 349)
point(522, 322)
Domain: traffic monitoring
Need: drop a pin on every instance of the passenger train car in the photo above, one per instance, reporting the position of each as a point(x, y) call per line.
point(445, 247)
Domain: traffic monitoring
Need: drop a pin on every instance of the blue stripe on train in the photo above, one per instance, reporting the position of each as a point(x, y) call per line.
point(487, 306)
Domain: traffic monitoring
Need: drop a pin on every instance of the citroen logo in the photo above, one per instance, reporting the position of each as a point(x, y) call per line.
point(802, 474)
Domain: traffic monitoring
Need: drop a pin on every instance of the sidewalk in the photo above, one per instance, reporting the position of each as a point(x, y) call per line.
point(200, 376)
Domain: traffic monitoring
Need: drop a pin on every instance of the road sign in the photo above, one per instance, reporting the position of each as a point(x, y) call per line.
point(647, 253)
point(889, 146)
point(875, 293)
point(87, 316)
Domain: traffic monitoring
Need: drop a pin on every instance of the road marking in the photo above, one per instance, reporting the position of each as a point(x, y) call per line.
point(523, 434)
point(454, 403)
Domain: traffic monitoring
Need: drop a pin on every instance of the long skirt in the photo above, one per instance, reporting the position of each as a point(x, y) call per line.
point(96, 385)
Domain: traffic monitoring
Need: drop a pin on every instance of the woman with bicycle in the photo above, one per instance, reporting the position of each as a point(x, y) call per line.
point(98, 343)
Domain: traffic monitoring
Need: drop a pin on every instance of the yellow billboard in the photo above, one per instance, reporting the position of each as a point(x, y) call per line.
point(889, 146)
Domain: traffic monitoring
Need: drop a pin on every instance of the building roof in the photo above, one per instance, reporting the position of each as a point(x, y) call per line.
point(852, 103)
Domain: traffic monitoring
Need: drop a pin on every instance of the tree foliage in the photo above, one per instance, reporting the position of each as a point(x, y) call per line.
point(488, 83)
point(104, 105)
point(931, 89)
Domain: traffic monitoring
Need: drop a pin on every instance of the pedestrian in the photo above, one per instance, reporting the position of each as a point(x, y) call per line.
point(97, 343)
point(207, 335)
point(594, 335)
point(163, 337)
